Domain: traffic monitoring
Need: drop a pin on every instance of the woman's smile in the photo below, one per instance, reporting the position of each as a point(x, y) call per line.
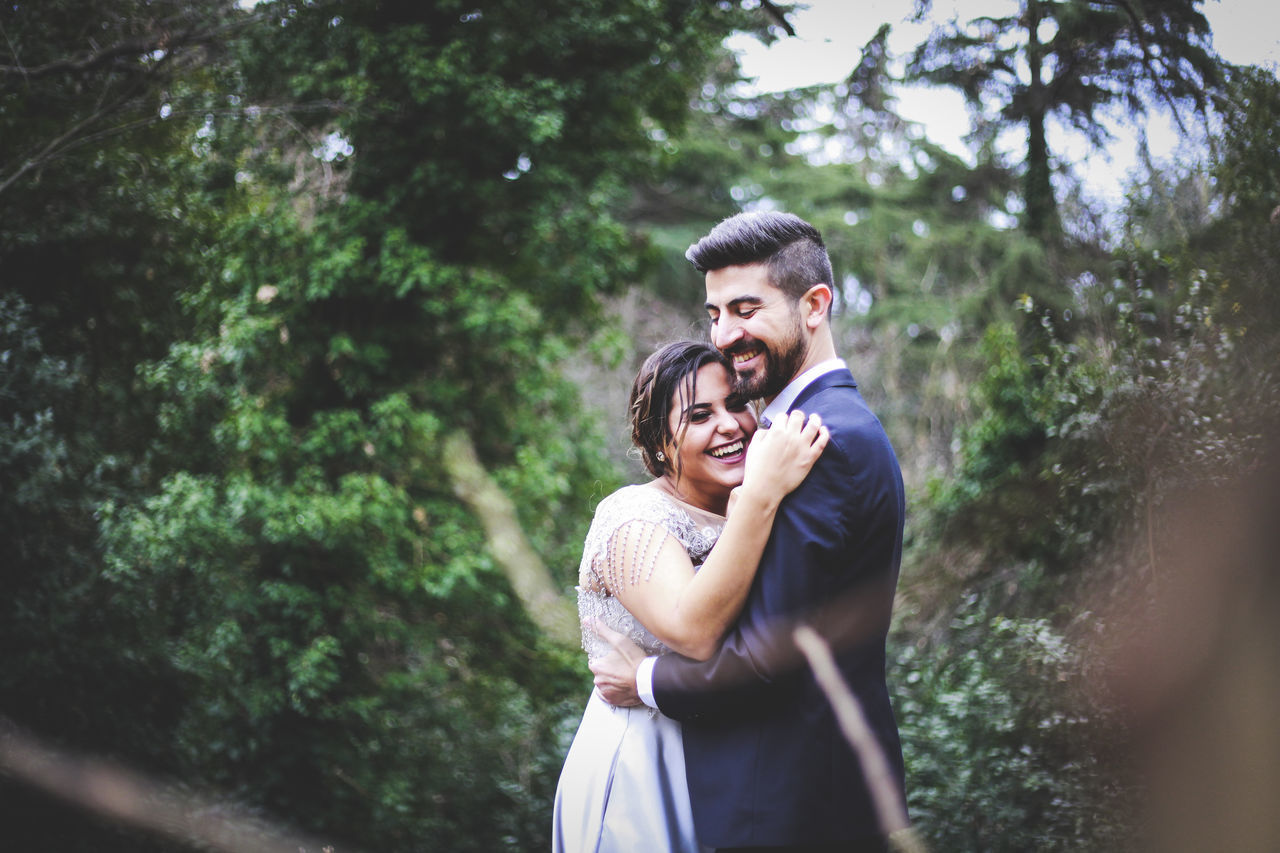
point(710, 434)
point(731, 453)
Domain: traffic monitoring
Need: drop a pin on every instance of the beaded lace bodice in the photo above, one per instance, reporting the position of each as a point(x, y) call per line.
point(622, 547)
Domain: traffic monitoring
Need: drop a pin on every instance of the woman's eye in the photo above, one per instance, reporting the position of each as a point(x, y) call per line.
point(697, 417)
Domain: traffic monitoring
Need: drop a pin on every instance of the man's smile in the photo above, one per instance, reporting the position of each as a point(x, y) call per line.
point(744, 354)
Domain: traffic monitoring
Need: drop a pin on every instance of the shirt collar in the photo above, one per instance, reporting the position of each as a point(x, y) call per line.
point(782, 403)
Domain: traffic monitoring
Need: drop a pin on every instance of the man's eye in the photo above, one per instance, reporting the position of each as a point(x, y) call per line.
point(747, 312)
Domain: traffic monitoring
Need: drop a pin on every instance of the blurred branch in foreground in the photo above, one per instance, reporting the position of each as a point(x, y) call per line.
point(529, 578)
point(890, 810)
point(124, 796)
point(1194, 667)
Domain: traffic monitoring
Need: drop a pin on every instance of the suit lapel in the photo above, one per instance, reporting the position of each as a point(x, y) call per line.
point(835, 378)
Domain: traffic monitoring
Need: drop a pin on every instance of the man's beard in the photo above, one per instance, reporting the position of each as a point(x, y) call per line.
point(780, 367)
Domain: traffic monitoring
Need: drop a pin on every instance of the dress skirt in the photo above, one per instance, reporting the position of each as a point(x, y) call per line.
point(623, 788)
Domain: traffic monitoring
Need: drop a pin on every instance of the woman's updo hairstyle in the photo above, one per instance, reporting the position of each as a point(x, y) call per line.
point(666, 372)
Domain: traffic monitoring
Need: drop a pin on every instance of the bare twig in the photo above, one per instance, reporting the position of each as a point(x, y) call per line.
point(135, 47)
point(125, 796)
point(891, 811)
point(69, 141)
point(1157, 79)
point(776, 14)
point(59, 144)
point(140, 73)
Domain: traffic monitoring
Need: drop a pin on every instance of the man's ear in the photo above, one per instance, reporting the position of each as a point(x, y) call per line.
point(815, 305)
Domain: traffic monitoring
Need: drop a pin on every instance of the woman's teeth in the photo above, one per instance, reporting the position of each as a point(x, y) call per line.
point(727, 450)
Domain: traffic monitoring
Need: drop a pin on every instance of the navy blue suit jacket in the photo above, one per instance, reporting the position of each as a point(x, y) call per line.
point(766, 761)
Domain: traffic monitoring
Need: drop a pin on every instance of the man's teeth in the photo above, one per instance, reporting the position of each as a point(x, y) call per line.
point(739, 357)
point(727, 450)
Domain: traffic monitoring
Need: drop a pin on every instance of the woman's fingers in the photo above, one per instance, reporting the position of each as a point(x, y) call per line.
point(821, 439)
point(808, 427)
point(794, 437)
point(812, 427)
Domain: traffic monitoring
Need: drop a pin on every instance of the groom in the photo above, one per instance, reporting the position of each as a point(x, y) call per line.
point(767, 764)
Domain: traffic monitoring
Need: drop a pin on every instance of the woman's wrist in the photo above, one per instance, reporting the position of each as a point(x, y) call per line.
point(761, 500)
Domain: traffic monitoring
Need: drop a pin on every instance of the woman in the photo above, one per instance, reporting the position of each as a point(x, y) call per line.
point(649, 570)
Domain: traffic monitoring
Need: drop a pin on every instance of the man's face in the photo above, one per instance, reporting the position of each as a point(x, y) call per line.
point(758, 327)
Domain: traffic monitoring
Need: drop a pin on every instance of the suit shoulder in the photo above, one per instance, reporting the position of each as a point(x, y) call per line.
point(842, 409)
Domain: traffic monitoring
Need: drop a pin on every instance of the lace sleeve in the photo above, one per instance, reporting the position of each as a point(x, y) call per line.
point(629, 530)
point(630, 554)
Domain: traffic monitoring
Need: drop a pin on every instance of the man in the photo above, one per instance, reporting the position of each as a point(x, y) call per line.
point(767, 763)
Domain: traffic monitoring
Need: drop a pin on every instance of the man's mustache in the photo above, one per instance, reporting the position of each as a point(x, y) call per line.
point(741, 346)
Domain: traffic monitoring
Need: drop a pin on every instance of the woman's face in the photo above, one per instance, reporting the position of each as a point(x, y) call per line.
point(711, 435)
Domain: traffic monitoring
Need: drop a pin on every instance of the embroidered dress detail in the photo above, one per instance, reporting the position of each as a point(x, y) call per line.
point(623, 786)
point(622, 546)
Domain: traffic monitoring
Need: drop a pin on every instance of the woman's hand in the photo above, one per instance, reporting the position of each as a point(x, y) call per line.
point(779, 458)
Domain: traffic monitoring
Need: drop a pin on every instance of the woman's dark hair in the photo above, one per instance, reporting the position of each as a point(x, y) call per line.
point(668, 371)
point(790, 248)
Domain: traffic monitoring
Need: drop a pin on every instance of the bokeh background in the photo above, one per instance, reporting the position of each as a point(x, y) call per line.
point(317, 320)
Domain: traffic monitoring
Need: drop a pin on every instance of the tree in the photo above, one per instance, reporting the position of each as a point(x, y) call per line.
point(920, 241)
point(72, 76)
point(108, 217)
point(388, 222)
point(1074, 61)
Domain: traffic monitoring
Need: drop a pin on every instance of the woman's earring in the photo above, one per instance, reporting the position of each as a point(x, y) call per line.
point(661, 456)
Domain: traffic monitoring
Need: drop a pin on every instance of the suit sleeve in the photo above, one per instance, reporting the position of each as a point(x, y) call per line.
point(803, 565)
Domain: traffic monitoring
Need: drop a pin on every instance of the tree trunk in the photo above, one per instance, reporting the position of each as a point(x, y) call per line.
point(1038, 189)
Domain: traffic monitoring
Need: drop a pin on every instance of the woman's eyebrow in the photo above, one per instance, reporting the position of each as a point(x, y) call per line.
point(691, 409)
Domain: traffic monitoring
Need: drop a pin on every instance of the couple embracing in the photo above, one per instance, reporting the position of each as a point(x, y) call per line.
point(707, 730)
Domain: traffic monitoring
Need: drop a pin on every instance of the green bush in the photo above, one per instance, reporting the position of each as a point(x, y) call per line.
point(997, 741)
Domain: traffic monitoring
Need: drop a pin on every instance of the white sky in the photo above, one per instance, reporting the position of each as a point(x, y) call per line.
point(830, 35)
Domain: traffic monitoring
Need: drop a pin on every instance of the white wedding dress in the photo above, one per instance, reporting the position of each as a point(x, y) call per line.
point(623, 788)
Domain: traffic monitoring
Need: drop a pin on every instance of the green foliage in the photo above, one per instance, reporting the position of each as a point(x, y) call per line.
point(77, 78)
point(1000, 750)
point(1070, 448)
point(105, 217)
point(251, 325)
point(252, 283)
point(998, 490)
point(919, 240)
point(1159, 388)
point(71, 651)
point(496, 132)
point(345, 663)
point(348, 653)
point(1241, 245)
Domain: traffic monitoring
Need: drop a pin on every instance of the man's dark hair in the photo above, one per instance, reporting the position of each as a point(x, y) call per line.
point(790, 248)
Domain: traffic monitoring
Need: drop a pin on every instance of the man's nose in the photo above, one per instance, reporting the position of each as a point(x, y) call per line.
point(725, 332)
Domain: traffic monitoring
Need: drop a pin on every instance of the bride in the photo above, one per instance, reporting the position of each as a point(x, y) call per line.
point(649, 570)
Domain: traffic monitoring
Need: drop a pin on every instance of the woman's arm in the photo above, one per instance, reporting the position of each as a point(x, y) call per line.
point(690, 611)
